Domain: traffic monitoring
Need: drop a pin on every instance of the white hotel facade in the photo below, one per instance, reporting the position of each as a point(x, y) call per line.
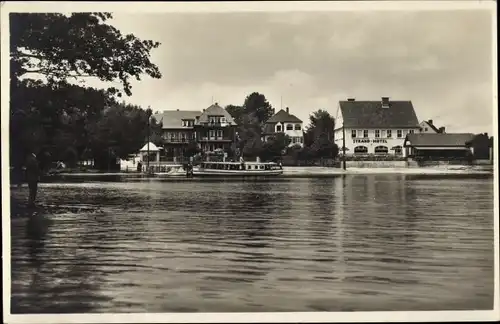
point(374, 127)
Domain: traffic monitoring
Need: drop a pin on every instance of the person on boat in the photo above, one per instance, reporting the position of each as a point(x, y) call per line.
point(32, 177)
point(242, 161)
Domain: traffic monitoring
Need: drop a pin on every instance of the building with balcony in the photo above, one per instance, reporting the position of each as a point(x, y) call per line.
point(215, 129)
point(177, 130)
point(286, 123)
point(374, 127)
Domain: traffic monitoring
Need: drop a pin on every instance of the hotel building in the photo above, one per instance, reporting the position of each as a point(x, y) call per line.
point(374, 127)
point(215, 129)
point(177, 130)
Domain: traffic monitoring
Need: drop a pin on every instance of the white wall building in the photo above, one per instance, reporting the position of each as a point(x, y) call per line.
point(284, 122)
point(374, 127)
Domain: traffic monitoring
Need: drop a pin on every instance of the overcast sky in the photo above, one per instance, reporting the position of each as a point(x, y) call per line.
point(440, 60)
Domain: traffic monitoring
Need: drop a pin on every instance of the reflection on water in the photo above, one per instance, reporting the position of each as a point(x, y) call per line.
point(347, 243)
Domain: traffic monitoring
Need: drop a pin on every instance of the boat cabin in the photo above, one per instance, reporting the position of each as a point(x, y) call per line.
point(250, 166)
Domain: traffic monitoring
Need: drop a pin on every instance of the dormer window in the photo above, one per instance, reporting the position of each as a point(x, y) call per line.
point(187, 123)
point(278, 128)
point(298, 127)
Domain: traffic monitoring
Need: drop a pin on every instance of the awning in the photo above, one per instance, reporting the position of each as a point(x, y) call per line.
point(152, 148)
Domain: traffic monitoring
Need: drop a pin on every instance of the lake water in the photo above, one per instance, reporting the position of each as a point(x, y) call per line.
point(345, 243)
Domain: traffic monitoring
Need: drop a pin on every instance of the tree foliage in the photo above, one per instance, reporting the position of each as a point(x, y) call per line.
point(257, 104)
point(319, 137)
point(62, 47)
point(250, 118)
point(67, 121)
point(122, 130)
point(237, 112)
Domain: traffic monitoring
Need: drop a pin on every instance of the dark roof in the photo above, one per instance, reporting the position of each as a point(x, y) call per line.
point(370, 114)
point(216, 110)
point(283, 117)
point(447, 139)
point(172, 119)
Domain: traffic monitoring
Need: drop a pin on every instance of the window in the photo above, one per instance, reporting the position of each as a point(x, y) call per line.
point(383, 133)
point(219, 133)
point(381, 150)
point(211, 133)
point(426, 129)
point(360, 133)
point(365, 133)
point(377, 133)
point(298, 127)
point(278, 128)
point(400, 133)
point(223, 119)
point(301, 140)
point(360, 150)
point(289, 127)
point(412, 131)
point(353, 133)
point(389, 133)
point(398, 150)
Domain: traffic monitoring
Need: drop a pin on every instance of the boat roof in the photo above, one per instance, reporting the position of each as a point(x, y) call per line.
point(237, 162)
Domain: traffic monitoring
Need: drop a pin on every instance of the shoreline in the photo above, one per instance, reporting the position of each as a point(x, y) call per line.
point(317, 171)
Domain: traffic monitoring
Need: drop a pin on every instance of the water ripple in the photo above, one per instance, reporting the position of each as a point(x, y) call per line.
point(354, 243)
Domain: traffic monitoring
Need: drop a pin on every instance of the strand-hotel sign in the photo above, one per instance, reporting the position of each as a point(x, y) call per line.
point(367, 140)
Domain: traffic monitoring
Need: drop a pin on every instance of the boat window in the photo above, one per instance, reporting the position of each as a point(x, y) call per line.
point(262, 167)
point(249, 167)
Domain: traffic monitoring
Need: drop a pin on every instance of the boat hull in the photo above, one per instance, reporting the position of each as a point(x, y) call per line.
point(236, 173)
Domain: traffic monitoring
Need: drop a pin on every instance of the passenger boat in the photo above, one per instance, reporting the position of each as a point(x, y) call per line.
point(237, 169)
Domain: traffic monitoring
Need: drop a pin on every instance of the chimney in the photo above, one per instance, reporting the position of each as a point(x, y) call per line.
point(203, 109)
point(177, 109)
point(441, 130)
point(287, 110)
point(385, 102)
point(216, 104)
point(274, 111)
point(351, 99)
point(430, 121)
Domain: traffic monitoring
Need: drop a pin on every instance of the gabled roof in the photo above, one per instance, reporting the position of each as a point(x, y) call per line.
point(283, 117)
point(447, 139)
point(370, 114)
point(431, 125)
point(216, 110)
point(172, 119)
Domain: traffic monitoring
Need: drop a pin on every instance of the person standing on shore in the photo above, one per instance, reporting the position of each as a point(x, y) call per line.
point(32, 177)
